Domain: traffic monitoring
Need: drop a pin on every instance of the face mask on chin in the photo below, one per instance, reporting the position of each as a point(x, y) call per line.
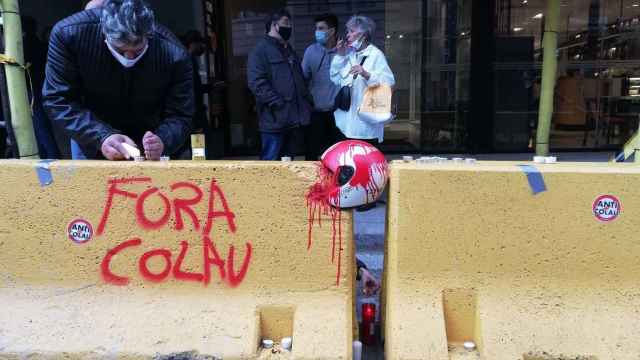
point(127, 63)
point(357, 44)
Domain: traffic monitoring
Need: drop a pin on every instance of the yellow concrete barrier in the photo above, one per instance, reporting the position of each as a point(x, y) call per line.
point(474, 255)
point(145, 260)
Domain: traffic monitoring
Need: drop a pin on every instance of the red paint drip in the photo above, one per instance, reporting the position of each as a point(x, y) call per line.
point(364, 165)
point(319, 199)
point(369, 164)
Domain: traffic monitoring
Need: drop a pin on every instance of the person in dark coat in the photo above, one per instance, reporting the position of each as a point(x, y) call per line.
point(283, 101)
point(115, 76)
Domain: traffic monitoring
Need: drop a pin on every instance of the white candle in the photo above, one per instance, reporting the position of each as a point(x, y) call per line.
point(285, 343)
point(357, 350)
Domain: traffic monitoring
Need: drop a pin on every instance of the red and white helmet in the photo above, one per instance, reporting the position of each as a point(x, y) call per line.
point(359, 173)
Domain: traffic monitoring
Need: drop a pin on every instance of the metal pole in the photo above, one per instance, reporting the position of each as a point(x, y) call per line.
point(549, 73)
point(21, 119)
point(636, 141)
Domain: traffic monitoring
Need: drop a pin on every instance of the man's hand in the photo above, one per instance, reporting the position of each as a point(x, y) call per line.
point(370, 285)
point(112, 148)
point(153, 146)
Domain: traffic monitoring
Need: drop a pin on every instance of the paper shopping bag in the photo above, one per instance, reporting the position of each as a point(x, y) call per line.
point(376, 105)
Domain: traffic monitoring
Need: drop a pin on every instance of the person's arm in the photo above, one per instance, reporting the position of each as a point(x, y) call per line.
point(380, 73)
point(61, 96)
point(306, 64)
point(259, 80)
point(370, 285)
point(340, 69)
point(359, 266)
point(179, 108)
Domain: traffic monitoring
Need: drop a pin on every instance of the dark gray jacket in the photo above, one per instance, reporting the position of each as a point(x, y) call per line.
point(275, 77)
point(90, 96)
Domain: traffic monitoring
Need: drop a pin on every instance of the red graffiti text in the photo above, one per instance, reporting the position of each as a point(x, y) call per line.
point(182, 209)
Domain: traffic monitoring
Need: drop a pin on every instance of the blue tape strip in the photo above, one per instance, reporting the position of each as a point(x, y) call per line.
point(536, 181)
point(44, 174)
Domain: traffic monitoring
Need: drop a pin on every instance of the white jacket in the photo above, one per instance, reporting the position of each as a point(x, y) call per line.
point(349, 122)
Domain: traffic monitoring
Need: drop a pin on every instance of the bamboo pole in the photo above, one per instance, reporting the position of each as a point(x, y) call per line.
point(21, 117)
point(549, 73)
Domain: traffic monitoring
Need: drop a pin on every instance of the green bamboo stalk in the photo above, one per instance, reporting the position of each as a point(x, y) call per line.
point(631, 147)
point(549, 73)
point(636, 148)
point(21, 119)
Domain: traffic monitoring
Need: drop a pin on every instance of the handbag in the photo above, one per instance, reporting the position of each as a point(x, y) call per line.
point(343, 98)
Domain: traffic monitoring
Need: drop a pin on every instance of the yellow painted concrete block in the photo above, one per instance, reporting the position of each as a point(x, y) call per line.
point(474, 255)
point(143, 260)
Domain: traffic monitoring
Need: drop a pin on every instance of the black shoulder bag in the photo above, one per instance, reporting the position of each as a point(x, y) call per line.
point(343, 99)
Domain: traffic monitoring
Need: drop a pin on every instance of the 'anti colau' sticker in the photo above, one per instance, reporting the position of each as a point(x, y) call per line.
point(607, 208)
point(80, 231)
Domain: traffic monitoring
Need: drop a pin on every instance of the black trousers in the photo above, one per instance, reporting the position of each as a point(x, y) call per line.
point(341, 137)
point(321, 134)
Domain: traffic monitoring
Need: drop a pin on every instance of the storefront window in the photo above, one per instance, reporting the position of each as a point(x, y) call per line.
point(439, 72)
point(597, 93)
point(445, 62)
point(399, 33)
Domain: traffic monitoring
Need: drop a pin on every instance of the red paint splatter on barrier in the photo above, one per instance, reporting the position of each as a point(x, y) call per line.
point(324, 198)
point(319, 199)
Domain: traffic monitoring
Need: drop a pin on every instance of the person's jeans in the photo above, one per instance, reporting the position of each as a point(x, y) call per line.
point(277, 145)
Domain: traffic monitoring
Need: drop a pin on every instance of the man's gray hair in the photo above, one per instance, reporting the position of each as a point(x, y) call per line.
point(127, 22)
point(364, 24)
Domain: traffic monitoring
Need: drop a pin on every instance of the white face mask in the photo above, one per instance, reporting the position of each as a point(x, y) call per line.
point(357, 44)
point(128, 63)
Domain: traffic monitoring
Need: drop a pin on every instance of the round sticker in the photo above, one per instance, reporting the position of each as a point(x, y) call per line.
point(80, 231)
point(607, 208)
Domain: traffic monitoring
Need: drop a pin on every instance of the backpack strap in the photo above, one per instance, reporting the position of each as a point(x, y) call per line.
point(321, 61)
